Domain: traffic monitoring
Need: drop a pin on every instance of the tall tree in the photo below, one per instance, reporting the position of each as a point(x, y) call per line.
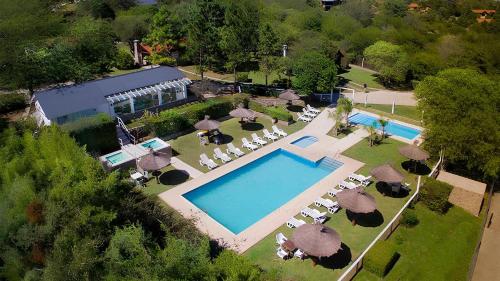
point(268, 50)
point(345, 106)
point(239, 35)
point(205, 19)
point(461, 118)
point(390, 60)
point(314, 72)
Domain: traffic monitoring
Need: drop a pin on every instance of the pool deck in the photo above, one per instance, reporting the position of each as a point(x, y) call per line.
point(325, 146)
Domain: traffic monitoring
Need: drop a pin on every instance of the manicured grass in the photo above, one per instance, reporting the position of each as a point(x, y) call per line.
point(405, 113)
point(259, 78)
point(208, 73)
point(189, 149)
point(360, 76)
point(169, 178)
point(344, 132)
point(440, 247)
point(116, 71)
point(355, 238)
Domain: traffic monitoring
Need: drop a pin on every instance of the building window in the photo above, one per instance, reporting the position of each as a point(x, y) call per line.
point(122, 107)
point(168, 95)
point(75, 116)
point(146, 101)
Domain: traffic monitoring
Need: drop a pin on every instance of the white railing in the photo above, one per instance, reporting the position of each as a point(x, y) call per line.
point(436, 167)
point(348, 274)
point(122, 125)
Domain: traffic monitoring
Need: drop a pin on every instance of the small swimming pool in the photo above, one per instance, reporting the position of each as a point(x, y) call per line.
point(154, 144)
point(116, 157)
point(392, 128)
point(305, 141)
point(246, 195)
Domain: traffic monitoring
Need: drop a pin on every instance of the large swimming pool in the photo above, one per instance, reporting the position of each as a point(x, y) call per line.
point(241, 198)
point(391, 128)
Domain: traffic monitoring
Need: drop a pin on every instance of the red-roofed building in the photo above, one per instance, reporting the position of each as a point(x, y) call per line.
point(484, 15)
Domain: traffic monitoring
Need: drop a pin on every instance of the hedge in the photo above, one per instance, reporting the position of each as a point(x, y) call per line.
point(409, 218)
point(178, 119)
point(97, 132)
point(255, 106)
point(279, 113)
point(11, 102)
point(381, 258)
point(434, 194)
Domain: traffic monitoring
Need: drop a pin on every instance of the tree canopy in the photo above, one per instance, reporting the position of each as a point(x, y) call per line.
point(390, 60)
point(314, 72)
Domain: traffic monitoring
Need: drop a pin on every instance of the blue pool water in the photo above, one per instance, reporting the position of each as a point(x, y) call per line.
point(391, 128)
point(152, 144)
point(116, 158)
point(241, 198)
point(305, 141)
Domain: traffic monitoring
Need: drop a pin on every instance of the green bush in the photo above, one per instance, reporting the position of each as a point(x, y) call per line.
point(178, 119)
point(279, 113)
point(97, 132)
point(409, 218)
point(11, 102)
point(124, 59)
point(255, 106)
point(434, 194)
point(381, 258)
point(241, 98)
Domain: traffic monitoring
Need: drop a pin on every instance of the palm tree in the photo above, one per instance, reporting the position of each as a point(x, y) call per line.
point(346, 107)
point(371, 133)
point(383, 123)
point(337, 118)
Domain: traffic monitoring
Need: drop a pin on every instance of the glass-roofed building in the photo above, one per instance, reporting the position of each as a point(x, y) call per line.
point(122, 95)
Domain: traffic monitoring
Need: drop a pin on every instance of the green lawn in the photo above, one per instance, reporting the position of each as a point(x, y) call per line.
point(360, 76)
point(169, 178)
point(259, 78)
point(355, 238)
point(440, 247)
point(189, 149)
point(408, 114)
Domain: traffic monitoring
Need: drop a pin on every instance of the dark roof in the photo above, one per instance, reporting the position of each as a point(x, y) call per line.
point(64, 100)
point(146, 2)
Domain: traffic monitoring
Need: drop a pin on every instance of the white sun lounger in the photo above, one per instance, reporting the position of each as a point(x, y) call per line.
point(335, 208)
point(308, 114)
point(322, 202)
point(299, 254)
point(303, 118)
point(279, 132)
point(205, 161)
point(269, 136)
point(280, 238)
point(333, 192)
point(315, 214)
point(249, 145)
point(312, 109)
point(231, 149)
point(257, 140)
point(348, 185)
point(281, 253)
point(293, 222)
point(362, 179)
point(218, 154)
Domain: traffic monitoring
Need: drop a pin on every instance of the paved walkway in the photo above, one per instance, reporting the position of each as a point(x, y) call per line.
point(385, 97)
point(182, 166)
point(487, 265)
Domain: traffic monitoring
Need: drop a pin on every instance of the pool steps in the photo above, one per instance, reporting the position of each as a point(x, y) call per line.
point(329, 163)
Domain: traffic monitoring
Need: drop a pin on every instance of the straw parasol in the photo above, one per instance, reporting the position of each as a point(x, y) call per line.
point(154, 161)
point(207, 124)
point(316, 240)
point(413, 152)
point(387, 173)
point(357, 201)
point(242, 112)
point(289, 95)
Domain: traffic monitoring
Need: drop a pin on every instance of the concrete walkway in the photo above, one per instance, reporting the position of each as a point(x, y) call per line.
point(487, 265)
point(384, 97)
point(182, 166)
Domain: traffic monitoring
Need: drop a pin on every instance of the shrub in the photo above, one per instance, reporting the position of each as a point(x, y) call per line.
point(11, 102)
point(97, 132)
point(434, 194)
point(124, 59)
point(409, 218)
point(241, 98)
point(279, 113)
point(170, 121)
point(255, 106)
point(381, 258)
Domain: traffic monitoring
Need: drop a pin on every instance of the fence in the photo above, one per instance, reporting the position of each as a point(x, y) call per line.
point(385, 233)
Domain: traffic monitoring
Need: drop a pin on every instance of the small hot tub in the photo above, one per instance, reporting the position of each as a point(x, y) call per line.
point(305, 141)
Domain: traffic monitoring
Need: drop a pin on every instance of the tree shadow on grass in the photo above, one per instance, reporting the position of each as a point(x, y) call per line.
point(387, 190)
point(174, 177)
point(340, 260)
point(294, 108)
point(415, 167)
point(372, 219)
point(252, 126)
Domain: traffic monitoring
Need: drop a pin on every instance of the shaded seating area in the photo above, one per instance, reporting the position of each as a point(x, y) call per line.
point(360, 206)
point(245, 114)
point(153, 162)
point(417, 158)
point(390, 181)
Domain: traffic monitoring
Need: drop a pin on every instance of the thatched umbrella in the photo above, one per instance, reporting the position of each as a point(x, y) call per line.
point(154, 161)
point(289, 95)
point(387, 173)
point(356, 200)
point(207, 124)
point(242, 112)
point(316, 240)
point(414, 153)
